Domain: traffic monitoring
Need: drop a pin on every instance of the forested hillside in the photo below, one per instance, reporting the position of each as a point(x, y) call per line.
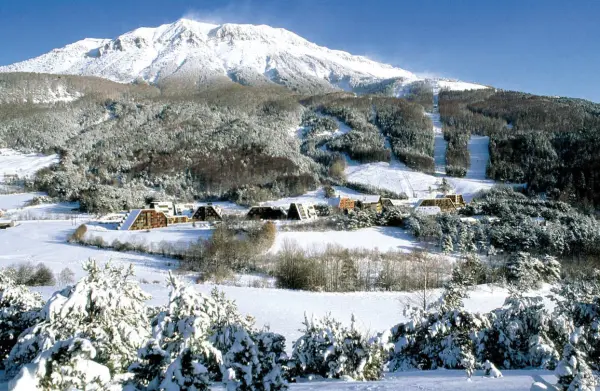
point(123, 144)
point(548, 143)
point(120, 143)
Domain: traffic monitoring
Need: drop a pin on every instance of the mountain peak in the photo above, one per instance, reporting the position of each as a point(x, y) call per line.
point(188, 48)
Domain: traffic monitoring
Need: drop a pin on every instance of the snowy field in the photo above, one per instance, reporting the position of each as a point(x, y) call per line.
point(381, 238)
point(439, 380)
point(22, 164)
point(45, 240)
point(16, 201)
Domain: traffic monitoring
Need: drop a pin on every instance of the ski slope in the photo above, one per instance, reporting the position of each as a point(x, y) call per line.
point(397, 177)
point(479, 149)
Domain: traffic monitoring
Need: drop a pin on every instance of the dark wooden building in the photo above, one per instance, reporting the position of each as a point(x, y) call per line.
point(207, 213)
point(177, 220)
point(266, 213)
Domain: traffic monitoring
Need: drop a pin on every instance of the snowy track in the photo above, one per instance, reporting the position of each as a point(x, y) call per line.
point(479, 149)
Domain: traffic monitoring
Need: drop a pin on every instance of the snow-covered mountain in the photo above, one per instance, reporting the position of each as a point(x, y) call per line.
point(248, 54)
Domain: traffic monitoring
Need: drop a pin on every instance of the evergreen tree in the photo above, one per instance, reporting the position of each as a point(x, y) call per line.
point(447, 245)
point(348, 275)
point(19, 310)
point(573, 372)
point(107, 307)
point(331, 350)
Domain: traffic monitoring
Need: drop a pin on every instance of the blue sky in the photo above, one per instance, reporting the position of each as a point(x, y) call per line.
point(540, 46)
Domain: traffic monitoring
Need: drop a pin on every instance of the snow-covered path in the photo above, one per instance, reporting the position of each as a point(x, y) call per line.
point(479, 149)
point(439, 154)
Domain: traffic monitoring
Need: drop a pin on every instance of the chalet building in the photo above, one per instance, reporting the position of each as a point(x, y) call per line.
point(344, 204)
point(166, 207)
point(369, 202)
point(207, 213)
point(266, 213)
point(458, 200)
point(436, 205)
point(301, 212)
point(141, 219)
point(177, 220)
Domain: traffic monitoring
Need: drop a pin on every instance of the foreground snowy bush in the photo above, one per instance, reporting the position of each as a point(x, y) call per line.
point(437, 339)
point(19, 310)
point(519, 335)
point(69, 364)
point(102, 319)
point(197, 340)
point(331, 350)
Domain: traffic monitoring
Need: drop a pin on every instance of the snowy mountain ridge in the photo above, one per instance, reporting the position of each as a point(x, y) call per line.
point(248, 54)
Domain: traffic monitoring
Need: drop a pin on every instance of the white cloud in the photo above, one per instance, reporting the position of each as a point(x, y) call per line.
point(244, 11)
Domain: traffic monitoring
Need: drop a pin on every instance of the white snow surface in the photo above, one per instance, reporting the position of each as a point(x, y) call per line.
point(23, 164)
point(479, 149)
point(381, 238)
point(442, 380)
point(397, 177)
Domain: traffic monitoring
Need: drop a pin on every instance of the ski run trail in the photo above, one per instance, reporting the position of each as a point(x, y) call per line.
point(397, 177)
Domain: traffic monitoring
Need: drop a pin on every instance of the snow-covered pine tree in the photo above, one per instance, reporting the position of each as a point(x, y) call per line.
point(198, 339)
point(436, 339)
point(447, 245)
point(465, 276)
point(179, 354)
point(578, 306)
point(573, 372)
point(106, 308)
point(329, 349)
point(252, 360)
point(491, 370)
point(519, 336)
point(446, 335)
point(19, 310)
point(255, 361)
point(68, 365)
point(527, 272)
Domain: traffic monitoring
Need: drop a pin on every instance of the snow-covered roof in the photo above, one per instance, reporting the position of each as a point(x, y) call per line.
point(399, 202)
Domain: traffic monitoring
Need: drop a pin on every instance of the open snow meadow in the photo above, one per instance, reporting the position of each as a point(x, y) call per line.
point(41, 232)
point(282, 311)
